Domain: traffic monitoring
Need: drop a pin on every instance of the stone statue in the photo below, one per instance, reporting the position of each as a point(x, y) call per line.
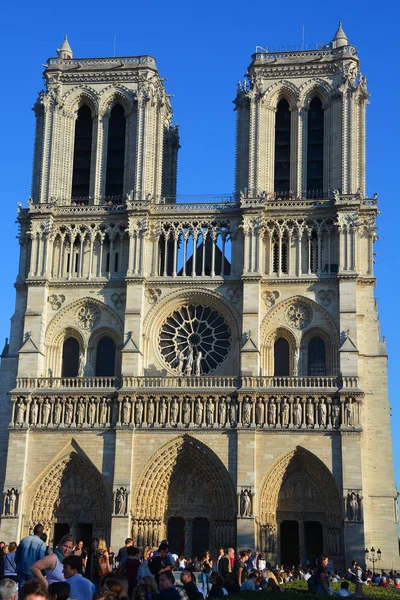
point(260, 412)
point(57, 413)
point(69, 408)
point(163, 412)
point(11, 503)
point(272, 412)
point(80, 413)
point(189, 362)
point(246, 412)
point(270, 538)
point(138, 412)
point(174, 412)
point(245, 504)
point(19, 419)
point(46, 412)
point(349, 413)
point(150, 412)
point(210, 412)
point(310, 412)
point(114, 412)
point(297, 412)
point(296, 358)
point(186, 412)
point(34, 413)
point(180, 357)
point(120, 501)
point(322, 413)
point(126, 412)
point(353, 506)
point(284, 413)
point(335, 414)
point(81, 364)
point(103, 412)
point(197, 364)
point(92, 412)
point(222, 412)
point(233, 412)
point(198, 412)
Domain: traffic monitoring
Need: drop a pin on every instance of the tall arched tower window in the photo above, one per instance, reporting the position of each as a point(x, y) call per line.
point(282, 148)
point(116, 152)
point(105, 357)
point(316, 357)
point(315, 147)
point(82, 153)
point(70, 358)
point(281, 357)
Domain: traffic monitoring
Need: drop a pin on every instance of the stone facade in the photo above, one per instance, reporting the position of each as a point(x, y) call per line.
point(213, 372)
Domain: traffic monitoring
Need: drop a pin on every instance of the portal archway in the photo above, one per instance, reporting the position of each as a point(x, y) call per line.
point(299, 493)
point(72, 493)
point(184, 479)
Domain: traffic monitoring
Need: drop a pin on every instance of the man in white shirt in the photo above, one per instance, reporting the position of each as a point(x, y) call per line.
point(81, 588)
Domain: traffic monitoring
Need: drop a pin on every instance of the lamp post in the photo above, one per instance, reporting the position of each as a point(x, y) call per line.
point(373, 556)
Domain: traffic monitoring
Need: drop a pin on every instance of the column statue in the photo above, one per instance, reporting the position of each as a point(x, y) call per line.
point(197, 364)
point(189, 362)
point(222, 412)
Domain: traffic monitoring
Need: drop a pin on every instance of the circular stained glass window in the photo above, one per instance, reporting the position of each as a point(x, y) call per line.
point(194, 340)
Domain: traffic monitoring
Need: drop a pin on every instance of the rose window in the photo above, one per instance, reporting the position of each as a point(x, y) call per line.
point(194, 340)
point(299, 315)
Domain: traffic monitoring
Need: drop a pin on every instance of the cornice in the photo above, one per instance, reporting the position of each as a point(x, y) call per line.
point(274, 281)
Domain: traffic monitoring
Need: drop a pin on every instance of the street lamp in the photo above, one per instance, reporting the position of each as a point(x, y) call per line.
point(374, 557)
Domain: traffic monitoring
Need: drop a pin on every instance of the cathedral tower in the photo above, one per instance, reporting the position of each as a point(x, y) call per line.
point(209, 372)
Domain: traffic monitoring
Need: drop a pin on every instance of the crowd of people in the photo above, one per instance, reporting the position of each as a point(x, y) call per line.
point(71, 571)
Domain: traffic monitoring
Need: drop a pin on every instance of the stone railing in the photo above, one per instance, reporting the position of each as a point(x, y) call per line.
point(291, 382)
point(199, 410)
point(112, 62)
point(182, 382)
point(55, 383)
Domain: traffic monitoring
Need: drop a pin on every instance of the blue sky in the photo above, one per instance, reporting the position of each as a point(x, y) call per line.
point(203, 49)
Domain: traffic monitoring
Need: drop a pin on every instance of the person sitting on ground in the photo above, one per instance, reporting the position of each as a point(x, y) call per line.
point(59, 590)
point(167, 587)
point(33, 590)
point(383, 582)
point(81, 588)
point(188, 582)
point(8, 589)
point(250, 585)
point(344, 589)
point(52, 564)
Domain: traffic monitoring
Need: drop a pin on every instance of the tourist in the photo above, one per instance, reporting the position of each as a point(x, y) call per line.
point(114, 586)
point(9, 562)
point(242, 570)
point(81, 588)
point(261, 562)
point(167, 587)
point(250, 585)
point(59, 590)
point(384, 582)
point(397, 583)
point(322, 577)
point(132, 564)
point(123, 552)
point(344, 589)
point(91, 554)
point(8, 589)
point(79, 551)
point(196, 565)
point(181, 562)
point(144, 570)
point(206, 568)
point(30, 550)
point(101, 562)
point(189, 585)
point(146, 589)
point(111, 558)
point(52, 564)
point(221, 554)
point(158, 563)
point(33, 590)
point(217, 590)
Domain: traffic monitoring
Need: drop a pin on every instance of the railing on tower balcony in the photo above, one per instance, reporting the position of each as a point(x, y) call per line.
point(25, 383)
point(307, 198)
point(173, 382)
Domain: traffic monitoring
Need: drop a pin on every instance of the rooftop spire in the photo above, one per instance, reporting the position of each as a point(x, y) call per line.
point(65, 52)
point(340, 38)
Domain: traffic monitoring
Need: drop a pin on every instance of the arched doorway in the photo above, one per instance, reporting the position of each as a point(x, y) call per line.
point(185, 480)
point(72, 495)
point(300, 511)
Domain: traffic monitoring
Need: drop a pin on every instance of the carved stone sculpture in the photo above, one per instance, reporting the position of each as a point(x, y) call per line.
point(210, 412)
point(20, 411)
point(92, 412)
point(335, 414)
point(46, 412)
point(245, 504)
point(103, 412)
point(322, 413)
point(297, 412)
point(120, 499)
point(150, 412)
point(126, 412)
point(138, 412)
point(163, 412)
point(197, 364)
point(296, 358)
point(284, 413)
point(180, 357)
point(80, 413)
point(353, 506)
point(349, 413)
point(186, 412)
point(233, 412)
point(246, 412)
point(189, 362)
point(10, 503)
point(69, 408)
point(81, 364)
point(222, 412)
point(34, 412)
point(310, 412)
point(272, 413)
point(57, 413)
point(174, 412)
point(198, 412)
point(260, 410)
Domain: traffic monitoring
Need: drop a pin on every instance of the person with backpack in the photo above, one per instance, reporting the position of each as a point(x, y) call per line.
point(101, 562)
point(322, 577)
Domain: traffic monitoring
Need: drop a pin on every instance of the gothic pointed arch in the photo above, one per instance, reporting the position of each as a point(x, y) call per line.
point(299, 487)
point(78, 96)
point(184, 478)
point(282, 89)
point(70, 490)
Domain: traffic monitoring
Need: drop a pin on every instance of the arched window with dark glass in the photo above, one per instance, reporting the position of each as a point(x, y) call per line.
point(282, 148)
point(105, 357)
point(115, 153)
point(315, 149)
point(316, 357)
point(82, 153)
point(281, 357)
point(70, 358)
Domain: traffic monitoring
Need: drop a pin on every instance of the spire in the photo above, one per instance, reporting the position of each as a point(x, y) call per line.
point(340, 38)
point(65, 52)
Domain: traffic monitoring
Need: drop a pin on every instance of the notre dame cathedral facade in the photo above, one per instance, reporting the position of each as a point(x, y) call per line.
point(212, 372)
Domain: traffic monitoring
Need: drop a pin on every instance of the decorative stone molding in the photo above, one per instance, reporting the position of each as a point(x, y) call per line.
point(121, 502)
point(353, 509)
point(153, 294)
point(245, 502)
point(326, 297)
point(118, 300)
point(270, 297)
point(299, 315)
point(87, 315)
point(233, 295)
point(56, 301)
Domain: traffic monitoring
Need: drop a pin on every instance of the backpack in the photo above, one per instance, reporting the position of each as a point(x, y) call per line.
point(102, 566)
point(312, 584)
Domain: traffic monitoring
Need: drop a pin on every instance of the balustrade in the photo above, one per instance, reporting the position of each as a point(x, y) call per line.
point(201, 411)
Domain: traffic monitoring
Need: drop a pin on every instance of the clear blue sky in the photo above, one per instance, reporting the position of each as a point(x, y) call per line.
point(203, 49)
